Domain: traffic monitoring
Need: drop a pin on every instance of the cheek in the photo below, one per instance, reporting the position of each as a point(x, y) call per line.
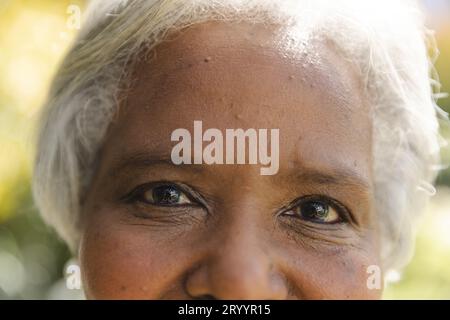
point(121, 261)
point(342, 274)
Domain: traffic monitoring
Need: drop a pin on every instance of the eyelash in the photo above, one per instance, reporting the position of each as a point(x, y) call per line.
point(344, 214)
point(136, 195)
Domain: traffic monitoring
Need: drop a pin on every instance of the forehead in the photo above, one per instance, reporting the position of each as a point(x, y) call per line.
point(248, 76)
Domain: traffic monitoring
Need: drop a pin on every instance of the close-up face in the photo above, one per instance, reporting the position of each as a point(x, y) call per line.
point(155, 229)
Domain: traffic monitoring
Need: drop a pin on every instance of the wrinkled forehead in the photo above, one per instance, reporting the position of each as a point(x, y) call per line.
point(240, 75)
point(217, 60)
point(252, 46)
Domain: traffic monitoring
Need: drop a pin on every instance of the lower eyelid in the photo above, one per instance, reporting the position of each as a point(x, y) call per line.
point(142, 210)
point(313, 229)
point(307, 234)
point(147, 205)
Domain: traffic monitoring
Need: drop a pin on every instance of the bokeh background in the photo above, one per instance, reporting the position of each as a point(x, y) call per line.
point(34, 35)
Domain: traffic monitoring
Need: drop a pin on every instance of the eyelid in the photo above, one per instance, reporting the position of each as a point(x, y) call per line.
point(190, 193)
point(343, 212)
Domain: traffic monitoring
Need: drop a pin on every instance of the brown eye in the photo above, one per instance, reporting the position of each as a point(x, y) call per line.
point(319, 211)
point(165, 195)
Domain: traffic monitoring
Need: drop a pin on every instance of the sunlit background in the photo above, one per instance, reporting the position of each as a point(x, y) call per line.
point(34, 36)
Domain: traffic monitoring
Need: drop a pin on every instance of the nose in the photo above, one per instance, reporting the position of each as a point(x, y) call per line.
point(237, 267)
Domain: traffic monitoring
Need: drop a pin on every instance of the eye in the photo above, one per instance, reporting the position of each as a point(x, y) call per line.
point(316, 210)
point(161, 195)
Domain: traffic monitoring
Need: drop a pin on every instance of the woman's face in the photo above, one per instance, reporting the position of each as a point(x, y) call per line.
point(153, 229)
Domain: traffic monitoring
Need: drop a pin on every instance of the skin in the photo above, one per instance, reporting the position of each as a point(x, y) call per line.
point(237, 237)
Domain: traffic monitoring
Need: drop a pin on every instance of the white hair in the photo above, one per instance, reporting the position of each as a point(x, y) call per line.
point(386, 41)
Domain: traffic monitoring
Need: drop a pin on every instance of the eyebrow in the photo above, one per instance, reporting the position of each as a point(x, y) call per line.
point(304, 175)
point(335, 176)
point(143, 160)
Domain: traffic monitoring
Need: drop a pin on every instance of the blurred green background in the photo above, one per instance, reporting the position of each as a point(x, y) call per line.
point(34, 36)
